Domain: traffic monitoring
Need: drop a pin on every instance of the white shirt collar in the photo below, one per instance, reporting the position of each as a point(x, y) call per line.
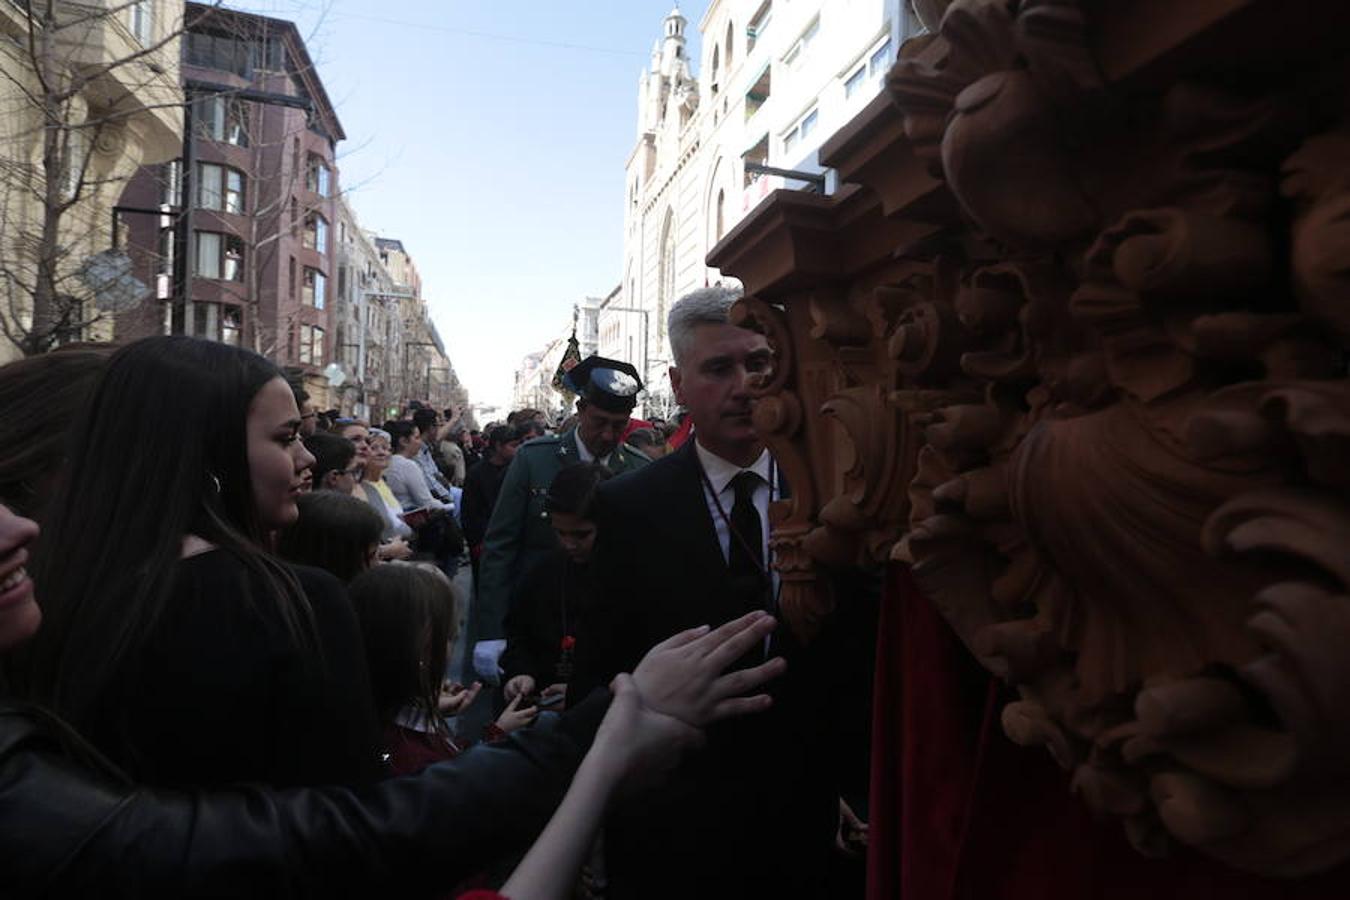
point(720, 472)
point(414, 719)
point(584, 453)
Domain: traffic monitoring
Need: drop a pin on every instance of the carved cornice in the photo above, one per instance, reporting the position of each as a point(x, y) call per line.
point(1072, 344)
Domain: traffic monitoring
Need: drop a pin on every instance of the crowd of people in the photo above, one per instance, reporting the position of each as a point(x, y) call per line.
point(241, 682)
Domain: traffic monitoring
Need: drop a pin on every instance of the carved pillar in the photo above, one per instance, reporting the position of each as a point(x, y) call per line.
point(1071, 341)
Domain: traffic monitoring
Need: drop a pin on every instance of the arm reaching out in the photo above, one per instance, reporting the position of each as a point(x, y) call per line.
point(683, 675)
point(657, 713)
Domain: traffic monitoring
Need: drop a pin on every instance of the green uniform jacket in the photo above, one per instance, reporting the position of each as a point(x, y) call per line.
point(519, 533)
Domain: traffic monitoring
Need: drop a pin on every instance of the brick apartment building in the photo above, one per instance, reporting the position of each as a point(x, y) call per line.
point(256, 258)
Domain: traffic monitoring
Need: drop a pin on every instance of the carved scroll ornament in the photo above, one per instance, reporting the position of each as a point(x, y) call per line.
point(1103, 411)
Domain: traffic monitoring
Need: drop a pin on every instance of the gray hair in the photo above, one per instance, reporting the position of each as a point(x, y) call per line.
point(705, 306)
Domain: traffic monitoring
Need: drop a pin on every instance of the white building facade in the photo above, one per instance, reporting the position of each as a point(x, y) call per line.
point(776, 78)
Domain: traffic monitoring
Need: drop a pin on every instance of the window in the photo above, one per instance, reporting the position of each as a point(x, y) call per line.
point(880, 59)
point(799, 49)
point(290, 279)
point(759, 93)
point(220, 188)
point(209, 51)
point(758, 154)
point(142, 21)
point(721, 213)
point(317, 177)
point(230, 322)
point(220, 117)
point(731, 34)
point(800, 131)
point(315, 291)
point(215, 321)
point(754, 29)
point(316, 233)
point(269, 54)
point(855, 81)
point(311, 345)
point(809, 122)
point(168, 249)
point(219, 256)
point(666, 286)
point(171, 177)
point(716, 64)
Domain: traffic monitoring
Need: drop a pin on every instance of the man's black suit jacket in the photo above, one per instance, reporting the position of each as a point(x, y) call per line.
point(753, 813)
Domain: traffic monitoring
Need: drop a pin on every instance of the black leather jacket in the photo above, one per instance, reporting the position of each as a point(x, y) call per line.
point(70, 825)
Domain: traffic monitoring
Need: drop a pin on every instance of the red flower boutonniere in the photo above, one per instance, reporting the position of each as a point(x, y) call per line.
point(568, 642)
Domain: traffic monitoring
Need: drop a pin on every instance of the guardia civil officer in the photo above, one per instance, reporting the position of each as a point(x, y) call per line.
point(518, 533)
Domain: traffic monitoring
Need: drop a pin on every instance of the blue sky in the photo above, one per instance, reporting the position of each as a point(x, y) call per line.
point(490, 137)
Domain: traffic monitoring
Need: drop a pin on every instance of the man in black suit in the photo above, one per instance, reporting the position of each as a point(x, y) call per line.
point(753, 814)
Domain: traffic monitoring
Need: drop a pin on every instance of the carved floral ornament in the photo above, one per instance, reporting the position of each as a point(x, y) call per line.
point(1104, 414)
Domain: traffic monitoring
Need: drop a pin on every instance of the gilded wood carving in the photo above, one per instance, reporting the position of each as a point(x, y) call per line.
point(1084, 369)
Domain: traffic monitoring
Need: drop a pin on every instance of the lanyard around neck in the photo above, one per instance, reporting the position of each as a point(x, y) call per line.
point(726, 520)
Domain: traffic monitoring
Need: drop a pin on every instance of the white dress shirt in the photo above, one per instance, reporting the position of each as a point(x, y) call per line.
point(584, 453)
point(720, 474)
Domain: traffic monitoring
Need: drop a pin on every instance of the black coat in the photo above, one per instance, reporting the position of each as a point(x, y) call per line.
point(73, 827)
point(481, 487)
point(544, 610)
point(753, 814)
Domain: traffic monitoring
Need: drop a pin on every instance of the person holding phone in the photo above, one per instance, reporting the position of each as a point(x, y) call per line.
point(541, 624)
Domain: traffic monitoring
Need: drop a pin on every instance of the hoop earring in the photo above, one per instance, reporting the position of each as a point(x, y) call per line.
point(215, 480)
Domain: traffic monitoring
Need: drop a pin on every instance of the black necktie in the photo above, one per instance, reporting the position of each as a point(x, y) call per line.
point(745, 559)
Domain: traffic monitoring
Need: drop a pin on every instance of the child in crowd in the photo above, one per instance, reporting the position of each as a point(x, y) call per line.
point(407, 614)
point(335, 465)
point(335, 531)
point(541, 623)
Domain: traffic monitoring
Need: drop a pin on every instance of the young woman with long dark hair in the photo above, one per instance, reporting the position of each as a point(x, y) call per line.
point(40, 398)
point(175, 640)
point(76, 827)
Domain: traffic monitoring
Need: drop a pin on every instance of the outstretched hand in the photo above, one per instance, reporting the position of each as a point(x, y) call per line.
point(514, 717)
point(656, 713)
point(682, 676)
point(455, 697)
point(641, 742)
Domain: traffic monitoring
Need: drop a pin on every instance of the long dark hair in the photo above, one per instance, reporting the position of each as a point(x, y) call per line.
point(159, 452)
point(40, 400)
point(335, 531)
point(407, 614)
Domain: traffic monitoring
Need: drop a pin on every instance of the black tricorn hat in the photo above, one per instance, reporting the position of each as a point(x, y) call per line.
point(610, 384)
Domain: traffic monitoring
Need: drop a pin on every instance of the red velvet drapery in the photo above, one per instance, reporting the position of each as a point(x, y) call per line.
point(958, 812)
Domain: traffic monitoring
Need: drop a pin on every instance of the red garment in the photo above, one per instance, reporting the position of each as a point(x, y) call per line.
point(633, 425)
point(482, 895)
point(412, 751)
point(682, 433)
point(958, 812)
